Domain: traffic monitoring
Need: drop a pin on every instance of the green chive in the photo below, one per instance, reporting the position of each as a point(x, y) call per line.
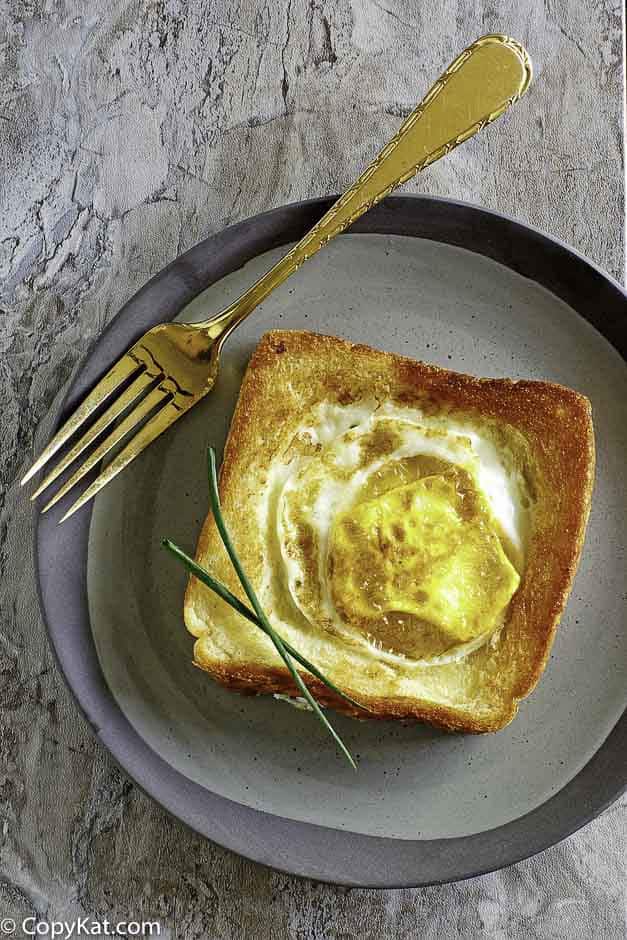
point(222, 591)
point(214, 499)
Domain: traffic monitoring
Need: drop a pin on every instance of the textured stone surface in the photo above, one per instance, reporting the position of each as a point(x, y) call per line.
point(128, 131)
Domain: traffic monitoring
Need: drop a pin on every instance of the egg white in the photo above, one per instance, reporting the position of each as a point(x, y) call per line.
point(331, 439)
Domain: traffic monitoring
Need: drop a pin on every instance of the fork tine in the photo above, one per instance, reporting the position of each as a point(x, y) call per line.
point(122, 370)
point(143, 381)
point(143, 409)
point(156, 426)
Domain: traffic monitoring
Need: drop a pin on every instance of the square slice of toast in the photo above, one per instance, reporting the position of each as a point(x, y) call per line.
point(300, 394)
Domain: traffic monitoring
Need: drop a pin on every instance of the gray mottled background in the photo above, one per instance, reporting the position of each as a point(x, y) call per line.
point(129, 131)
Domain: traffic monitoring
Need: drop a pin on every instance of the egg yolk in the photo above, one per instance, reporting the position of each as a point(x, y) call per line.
point(424, 556)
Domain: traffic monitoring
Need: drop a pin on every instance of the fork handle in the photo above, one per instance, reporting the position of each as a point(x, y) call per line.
point(478, 86)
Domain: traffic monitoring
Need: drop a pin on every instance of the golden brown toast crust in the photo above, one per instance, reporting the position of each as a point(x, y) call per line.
point(288, 372)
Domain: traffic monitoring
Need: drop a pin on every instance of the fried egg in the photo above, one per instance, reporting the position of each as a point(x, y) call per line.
point(395, 530)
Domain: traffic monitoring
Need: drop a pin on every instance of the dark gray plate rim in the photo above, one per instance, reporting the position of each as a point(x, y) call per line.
point(60, 553)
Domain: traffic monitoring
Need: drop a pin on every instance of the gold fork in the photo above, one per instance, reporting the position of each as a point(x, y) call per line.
point(174, 365)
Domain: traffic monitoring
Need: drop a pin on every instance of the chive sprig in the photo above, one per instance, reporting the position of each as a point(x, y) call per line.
point(257, 615)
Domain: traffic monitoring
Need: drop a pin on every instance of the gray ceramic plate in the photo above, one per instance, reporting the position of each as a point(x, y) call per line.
point(436, 280)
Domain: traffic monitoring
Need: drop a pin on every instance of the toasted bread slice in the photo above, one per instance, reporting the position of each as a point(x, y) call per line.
point(543, 432)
